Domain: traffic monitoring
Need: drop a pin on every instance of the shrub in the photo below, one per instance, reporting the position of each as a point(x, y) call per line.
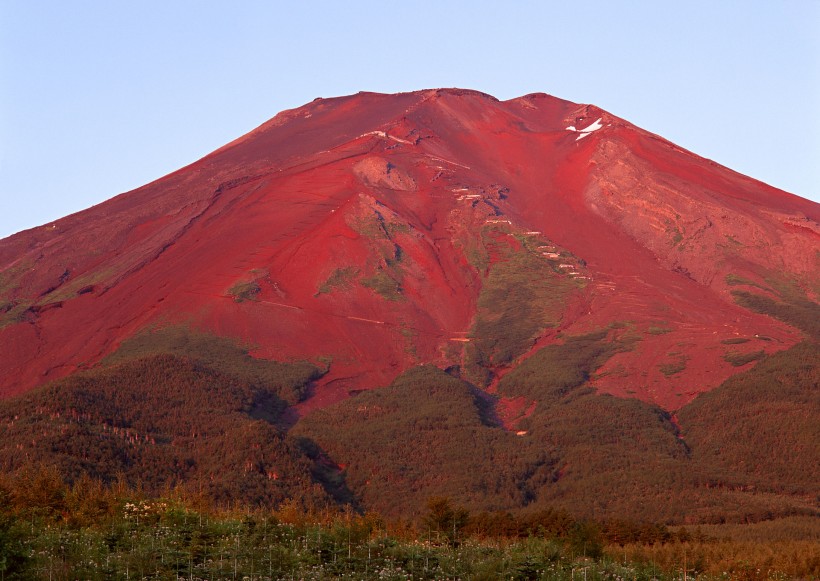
point(244, 291)
point(740, 359)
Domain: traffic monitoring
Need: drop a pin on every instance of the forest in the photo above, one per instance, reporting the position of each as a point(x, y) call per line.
point(90, 530)
point(178, 408)
point(179, 439)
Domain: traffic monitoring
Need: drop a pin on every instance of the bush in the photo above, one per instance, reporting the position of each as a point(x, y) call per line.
point(740, 359)
point(244, 291)
point(445, 520)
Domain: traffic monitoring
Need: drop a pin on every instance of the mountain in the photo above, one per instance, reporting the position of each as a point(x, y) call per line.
point(598, 297)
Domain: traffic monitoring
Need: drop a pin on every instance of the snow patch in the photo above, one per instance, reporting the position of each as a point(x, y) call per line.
point(594, 126)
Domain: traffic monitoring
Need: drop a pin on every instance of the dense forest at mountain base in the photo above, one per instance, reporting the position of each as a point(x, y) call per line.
point(91, 531)
point(721, 459)
point(177, 408)
point(171, 406)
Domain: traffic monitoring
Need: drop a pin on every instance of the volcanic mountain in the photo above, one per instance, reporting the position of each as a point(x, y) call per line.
point(535, 249)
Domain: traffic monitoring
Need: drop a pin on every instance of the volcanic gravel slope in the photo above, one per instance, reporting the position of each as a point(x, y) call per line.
point(375, 232)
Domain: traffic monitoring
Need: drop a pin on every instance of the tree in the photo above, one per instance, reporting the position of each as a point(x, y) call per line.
point(445, 520)
point(586, 539)
point(39, 491)
point(13, 553)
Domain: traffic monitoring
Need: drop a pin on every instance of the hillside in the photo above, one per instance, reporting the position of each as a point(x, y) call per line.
point(196, 417)
point(381, 298)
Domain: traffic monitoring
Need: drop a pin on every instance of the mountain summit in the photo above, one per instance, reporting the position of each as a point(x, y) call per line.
point(371, 234)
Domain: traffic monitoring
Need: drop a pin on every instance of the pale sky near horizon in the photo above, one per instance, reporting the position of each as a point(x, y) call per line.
point(101, 97)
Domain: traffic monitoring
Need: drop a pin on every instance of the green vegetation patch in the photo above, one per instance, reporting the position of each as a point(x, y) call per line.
point(740, 359)
point(733, 241)
point(380, 230)
point(13, 306)
point(14, 312)
point(735, 280)
point(393, 228)
point(244, 291)
point(370, 224)
point(735, 341)
point(288, 381)
point(522, 294)
point(384, 285)
point(658, 330)
point(386, 264)
point(72, 287)
point(157, 421)
point(10, 277)
point(677, 236)
point(677, 365)
point(556, 370)
point(674, 232)
point(760, 426)
point(794, 310)
point(340, 279)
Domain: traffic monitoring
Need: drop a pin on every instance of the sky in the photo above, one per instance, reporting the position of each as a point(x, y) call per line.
point(100, 97)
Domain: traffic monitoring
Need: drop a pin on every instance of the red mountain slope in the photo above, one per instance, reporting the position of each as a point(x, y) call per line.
point(376, 232)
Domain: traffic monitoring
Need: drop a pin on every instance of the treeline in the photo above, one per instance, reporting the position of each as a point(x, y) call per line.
point(794, 307)
point(759, 429)
point(89, 530)
point(203, 414)
point(40, 494)
point(160, 420)
point(286, 383)
point(430, 433)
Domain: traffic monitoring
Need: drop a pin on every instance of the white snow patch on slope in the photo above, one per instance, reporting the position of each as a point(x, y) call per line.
point(594, 126)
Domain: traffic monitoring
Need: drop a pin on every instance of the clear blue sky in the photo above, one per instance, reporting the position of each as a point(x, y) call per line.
point(100, 97)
